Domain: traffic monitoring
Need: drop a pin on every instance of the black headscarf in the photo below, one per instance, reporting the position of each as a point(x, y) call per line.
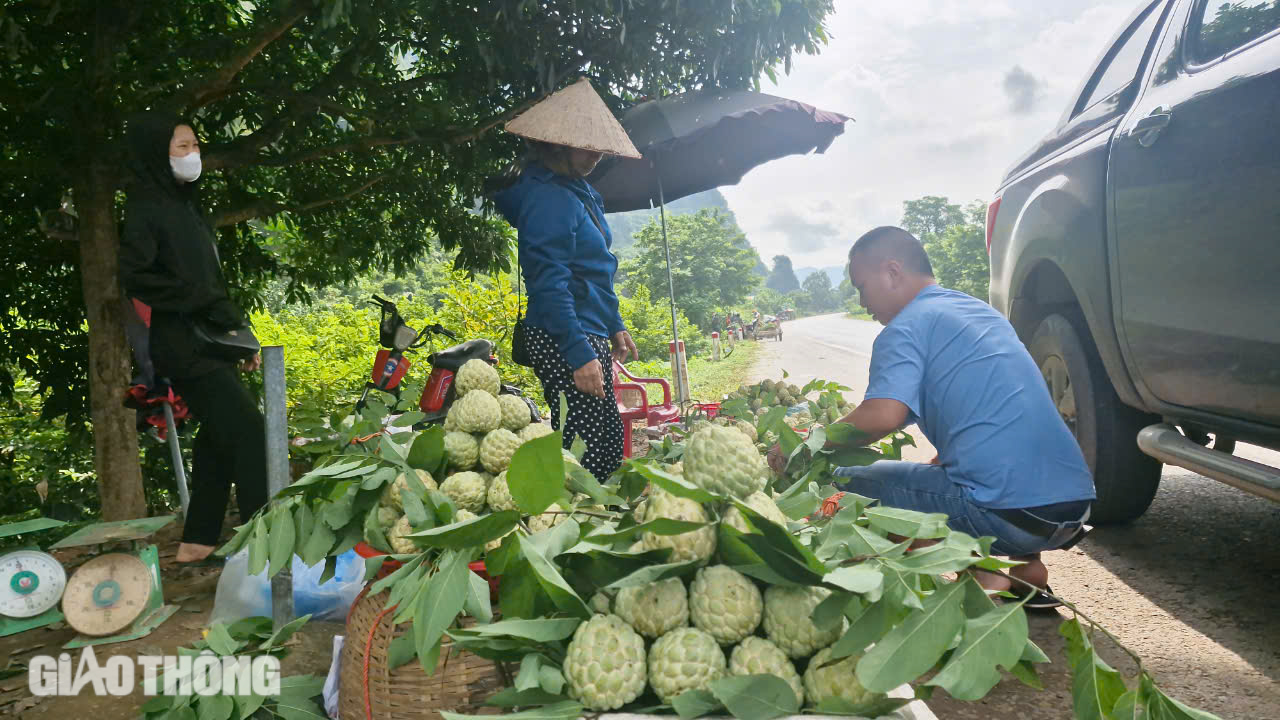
point(147, 136)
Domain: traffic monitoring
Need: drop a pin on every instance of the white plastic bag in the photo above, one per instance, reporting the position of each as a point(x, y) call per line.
point(241, 595)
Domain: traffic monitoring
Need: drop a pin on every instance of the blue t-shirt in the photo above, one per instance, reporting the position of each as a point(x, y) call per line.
point(974, 390)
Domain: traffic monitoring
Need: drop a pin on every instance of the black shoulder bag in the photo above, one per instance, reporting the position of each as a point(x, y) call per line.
point(234, 345)
point(519, 338)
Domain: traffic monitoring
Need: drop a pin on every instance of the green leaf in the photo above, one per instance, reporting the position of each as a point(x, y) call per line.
point(1163, 707)
point(317, 544)
point(414, 509)
point(477, 604)
point(653, 573)
point(510, 697)
point(259, 547)
point(567, 710)
point(408, 419)
point(292, 707)
point(158, 703)
point(661, 526)
point(401, 651)
point(870, 709)
point(1095, 685)
point(552, 583)
point(908, 523)
point(695, 703)
point(1033, 654)
point(866, 628)
point(469, 533)
point(281, 636)
point(391, 450)
point(373, 533)
point(993, 640)
point(912, 648)
point(216, 707)
point(756, 697)
point(861, 579)
point(675, 484)
point(221, 642)
point(243, 533)
point(427, 451)
point(1026, 673)
point(536, 475)
point(540, 630)
point(580, 480)
point(440, 601)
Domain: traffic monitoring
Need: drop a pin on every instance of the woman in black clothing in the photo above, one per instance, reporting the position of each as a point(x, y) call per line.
point(169, 261)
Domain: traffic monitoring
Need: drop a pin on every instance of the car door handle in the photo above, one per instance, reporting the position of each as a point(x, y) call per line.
point(1147, 130)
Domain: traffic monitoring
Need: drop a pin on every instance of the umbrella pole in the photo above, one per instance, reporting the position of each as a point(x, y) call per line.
point(679, 369)
point(671, 283)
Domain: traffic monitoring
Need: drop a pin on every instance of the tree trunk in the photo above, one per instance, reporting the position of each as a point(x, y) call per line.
point(115, 437)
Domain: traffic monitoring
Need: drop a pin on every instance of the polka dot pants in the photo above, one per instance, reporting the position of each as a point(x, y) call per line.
point(594, 419)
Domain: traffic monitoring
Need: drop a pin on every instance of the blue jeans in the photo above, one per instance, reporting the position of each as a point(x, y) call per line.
point(926, 488)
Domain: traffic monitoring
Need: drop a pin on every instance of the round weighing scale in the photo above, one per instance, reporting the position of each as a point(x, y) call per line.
point(106, 594)
point(31, 582)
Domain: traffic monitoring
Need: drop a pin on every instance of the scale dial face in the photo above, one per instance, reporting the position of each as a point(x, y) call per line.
point(106, 594)
point(31, 582)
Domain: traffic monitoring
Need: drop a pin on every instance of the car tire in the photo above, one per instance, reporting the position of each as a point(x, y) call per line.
point(1124, 478)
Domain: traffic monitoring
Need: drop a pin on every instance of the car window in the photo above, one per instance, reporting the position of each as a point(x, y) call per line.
point(1224, 25)
point(1124, 59)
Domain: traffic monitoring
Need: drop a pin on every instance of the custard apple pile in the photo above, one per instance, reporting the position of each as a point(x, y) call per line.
point(399, 543)
point(724, 603)
point(461, 450)
point(533, 431)
point(654, 609)
point(837, 680)
point(788, 620)
point(478, 412)
point(467, 490)
point(757, 656)
point(723, 460)
point(604, 666)
point(497, 448)
point(694, 545)
point(684, 659)
point(515, 413)
point(476, 374)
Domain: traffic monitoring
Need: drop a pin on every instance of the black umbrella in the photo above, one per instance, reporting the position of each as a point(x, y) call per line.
point(705, 139)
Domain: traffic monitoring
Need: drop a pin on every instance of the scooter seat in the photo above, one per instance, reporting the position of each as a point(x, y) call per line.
point(454, 357)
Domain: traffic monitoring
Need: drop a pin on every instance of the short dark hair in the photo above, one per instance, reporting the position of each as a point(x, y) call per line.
point(894, 243)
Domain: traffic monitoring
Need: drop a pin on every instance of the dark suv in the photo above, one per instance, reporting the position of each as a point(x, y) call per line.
point(1136, 249)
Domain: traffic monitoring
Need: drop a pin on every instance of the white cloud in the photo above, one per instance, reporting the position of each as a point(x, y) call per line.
point(925, 81)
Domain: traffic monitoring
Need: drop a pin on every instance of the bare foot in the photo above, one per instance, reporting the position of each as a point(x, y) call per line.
point(190, 552)
point(1033, 571)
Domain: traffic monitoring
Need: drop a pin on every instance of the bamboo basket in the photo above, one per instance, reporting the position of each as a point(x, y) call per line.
point(370, 690)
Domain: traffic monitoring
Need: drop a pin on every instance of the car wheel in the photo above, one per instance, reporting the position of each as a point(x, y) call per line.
point(1124, 477)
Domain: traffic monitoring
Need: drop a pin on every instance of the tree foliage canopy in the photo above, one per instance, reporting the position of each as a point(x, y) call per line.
point(712, 265)
point(955, 238)
point(361, 132)
point(783, 277)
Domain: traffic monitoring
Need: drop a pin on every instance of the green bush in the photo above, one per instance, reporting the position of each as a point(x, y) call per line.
point(650, 326)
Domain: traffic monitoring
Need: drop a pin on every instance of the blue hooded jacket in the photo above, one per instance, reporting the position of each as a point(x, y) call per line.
point(566, 261)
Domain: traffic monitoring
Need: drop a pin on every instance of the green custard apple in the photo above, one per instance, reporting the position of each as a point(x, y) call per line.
point(466, 489)
point(654, 609)
point(604, 666)
point(684, 659)
point(757, 656)
point(725, 603)
point(476, 374)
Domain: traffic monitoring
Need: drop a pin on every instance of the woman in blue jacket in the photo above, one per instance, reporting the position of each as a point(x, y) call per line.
point(573, 328)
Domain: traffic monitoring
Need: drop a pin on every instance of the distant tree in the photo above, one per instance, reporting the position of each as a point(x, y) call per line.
point(822, 297)
point(711, 263)
point(955, 238)
point(783, 277)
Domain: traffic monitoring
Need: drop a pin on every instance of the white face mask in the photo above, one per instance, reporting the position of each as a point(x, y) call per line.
point(186, 168)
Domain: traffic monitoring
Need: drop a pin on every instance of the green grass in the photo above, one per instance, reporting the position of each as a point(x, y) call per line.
point(708, 381)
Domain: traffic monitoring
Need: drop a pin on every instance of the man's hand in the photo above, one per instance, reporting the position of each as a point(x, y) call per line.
point(590, 379)
point(623, 346)
point(252, 364)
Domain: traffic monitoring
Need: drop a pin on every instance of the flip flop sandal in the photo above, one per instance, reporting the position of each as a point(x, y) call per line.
point(1041, 602)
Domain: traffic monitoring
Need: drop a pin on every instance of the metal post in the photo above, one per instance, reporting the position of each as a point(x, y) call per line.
point(671, 283)
point(277, 468)
point(179, 467)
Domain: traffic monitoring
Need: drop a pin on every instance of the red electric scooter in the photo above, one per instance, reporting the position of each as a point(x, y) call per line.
point(390, 364)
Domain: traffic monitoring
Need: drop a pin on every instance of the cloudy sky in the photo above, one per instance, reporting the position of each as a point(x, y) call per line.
point(946, 94)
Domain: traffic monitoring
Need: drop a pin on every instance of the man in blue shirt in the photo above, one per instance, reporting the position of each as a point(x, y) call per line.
point(1007, 465)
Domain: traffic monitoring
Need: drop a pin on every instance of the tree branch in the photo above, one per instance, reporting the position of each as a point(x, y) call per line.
point(267, 208)
point(215, 84)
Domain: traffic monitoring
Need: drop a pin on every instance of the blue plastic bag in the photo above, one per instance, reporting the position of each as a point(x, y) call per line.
point(241, 595)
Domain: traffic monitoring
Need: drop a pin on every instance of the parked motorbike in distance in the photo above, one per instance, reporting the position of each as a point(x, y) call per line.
point(390, 364)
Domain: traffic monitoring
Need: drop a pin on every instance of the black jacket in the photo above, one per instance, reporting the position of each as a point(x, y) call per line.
point(168, 259)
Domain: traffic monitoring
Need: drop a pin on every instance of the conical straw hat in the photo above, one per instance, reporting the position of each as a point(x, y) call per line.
point(576, 117)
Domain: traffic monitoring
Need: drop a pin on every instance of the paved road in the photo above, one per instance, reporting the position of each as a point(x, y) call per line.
point(1191, 586)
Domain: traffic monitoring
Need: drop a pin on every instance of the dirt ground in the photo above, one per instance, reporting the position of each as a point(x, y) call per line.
point(192, 589)
point(1190, 587)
